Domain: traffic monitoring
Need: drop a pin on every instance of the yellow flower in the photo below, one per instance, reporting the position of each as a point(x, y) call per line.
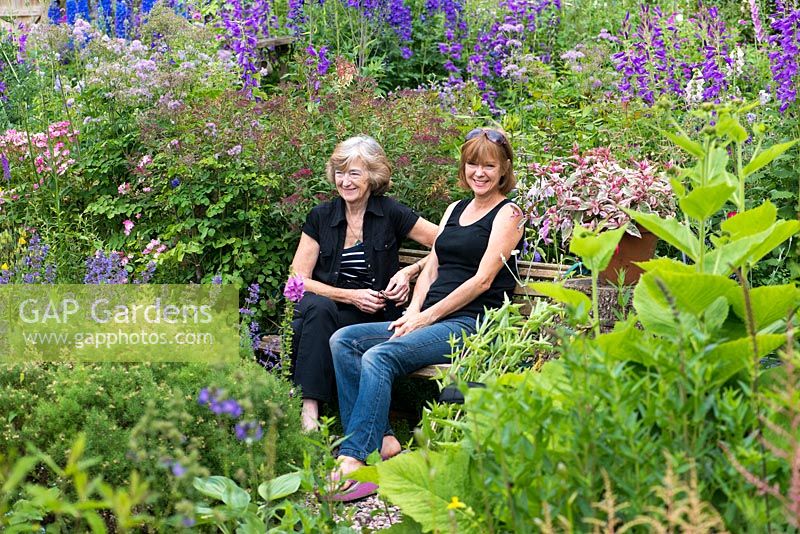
point(4, 266)
point(455, 503)
point(21, 241)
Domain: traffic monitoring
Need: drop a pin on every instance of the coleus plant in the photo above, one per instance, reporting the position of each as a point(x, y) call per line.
point(593, 190)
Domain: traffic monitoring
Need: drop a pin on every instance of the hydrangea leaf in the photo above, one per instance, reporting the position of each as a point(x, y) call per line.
point(703, 202)
point(769, 303)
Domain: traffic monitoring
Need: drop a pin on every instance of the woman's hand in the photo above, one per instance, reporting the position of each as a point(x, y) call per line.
point(412, 320)
point(367, 300)
point(398, 287)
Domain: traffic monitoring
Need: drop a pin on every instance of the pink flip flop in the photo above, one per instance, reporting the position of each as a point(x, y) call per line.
point(355, 492)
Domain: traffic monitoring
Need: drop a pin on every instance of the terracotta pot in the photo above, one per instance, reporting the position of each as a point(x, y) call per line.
point(630, 249)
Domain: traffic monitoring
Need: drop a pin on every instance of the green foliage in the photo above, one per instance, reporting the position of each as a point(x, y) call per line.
point(146, 417)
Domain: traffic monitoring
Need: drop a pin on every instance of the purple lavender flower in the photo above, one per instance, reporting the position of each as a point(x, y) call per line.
point(294, 289)
point(217, 280)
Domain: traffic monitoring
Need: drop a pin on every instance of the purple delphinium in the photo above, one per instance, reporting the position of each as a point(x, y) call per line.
point(784, 59)
point(713, 35)
point(245, 24)
point(6, 168)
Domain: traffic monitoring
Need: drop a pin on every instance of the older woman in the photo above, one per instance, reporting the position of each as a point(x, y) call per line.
point(465, 273)
point(348, 256)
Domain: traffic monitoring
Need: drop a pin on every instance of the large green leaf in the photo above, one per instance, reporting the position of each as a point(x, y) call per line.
point(771, 238)
point(626, 344)
point(571, 297)
point(213, 487)
point(223, 489)
point(691, 293)
point(738, 355)
point(666, 264)
point(670, 230)
point(717, 168)
point(595, 249)
point(769, 303)
point(280, 487)
point(751, 221)
point(765, 157)
point(422, 483)
point(693, 148)
point(703, 202)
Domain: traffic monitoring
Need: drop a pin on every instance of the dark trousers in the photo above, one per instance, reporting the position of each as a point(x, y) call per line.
point(316, 318)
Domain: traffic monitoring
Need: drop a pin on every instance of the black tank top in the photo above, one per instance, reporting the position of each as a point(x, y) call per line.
point(459, 250)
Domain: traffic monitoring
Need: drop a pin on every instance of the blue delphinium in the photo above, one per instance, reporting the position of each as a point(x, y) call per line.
point(72, 11)
point(121, 16)
point(54, 13)
point(147, 5)
point(83, 10)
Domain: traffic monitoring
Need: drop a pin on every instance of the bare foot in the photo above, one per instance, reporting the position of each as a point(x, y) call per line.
point(309, 417)
point(390, 447)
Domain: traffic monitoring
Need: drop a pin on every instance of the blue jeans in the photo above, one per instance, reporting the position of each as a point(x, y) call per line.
point(367, 362)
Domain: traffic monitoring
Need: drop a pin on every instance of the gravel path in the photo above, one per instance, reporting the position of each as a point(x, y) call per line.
point(373, 513)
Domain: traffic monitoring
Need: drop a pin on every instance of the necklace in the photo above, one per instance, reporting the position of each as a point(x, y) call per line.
point(356, 235)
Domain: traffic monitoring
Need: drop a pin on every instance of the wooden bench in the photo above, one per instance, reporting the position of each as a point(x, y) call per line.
point(528, 271)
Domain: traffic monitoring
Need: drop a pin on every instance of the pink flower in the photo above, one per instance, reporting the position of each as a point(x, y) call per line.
point(295, 288)
point(128, 224)
point(124, 188)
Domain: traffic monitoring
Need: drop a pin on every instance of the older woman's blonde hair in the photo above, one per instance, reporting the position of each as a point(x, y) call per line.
point(481, 149)
point(367, 149)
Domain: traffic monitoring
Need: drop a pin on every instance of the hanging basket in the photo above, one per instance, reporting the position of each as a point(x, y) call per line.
point(630, 249)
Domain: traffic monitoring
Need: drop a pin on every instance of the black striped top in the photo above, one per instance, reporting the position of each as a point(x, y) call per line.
point(353, 272)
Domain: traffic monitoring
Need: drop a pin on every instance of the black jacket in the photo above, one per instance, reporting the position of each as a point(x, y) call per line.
point(386, 224)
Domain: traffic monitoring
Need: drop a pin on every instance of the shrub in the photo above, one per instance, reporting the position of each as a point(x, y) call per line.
point(147, 417)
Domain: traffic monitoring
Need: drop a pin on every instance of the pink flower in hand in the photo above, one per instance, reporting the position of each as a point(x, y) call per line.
point(295, 288)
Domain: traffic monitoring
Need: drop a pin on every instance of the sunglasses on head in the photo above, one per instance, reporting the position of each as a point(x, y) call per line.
point(492, 135)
